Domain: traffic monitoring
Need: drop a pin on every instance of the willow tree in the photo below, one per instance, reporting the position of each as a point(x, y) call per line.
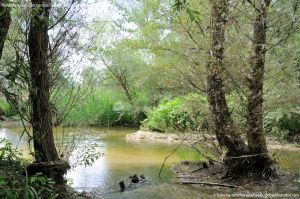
point(255, 131)
point(46, 156)
point(240, 157)
point(222, 122)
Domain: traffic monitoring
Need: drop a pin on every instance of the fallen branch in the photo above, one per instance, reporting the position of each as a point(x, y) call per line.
point(207, 183)
point(244, 156)
point(188, 176)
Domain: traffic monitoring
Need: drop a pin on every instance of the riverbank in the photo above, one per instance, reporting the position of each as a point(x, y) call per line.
point(285, 185)
point(273, 142)
point(11, 123)
point(16, 183)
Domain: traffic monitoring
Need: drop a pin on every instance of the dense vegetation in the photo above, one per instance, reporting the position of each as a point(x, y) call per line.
point(152, 70)
point(231, 68)
point(145, 64)
point(14, 180)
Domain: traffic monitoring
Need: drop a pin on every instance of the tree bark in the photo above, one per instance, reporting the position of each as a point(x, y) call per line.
point(5, 21)
point(255, 131)
point(41, 118)
point(222, 122)
point(255, 136)
point(39, 94)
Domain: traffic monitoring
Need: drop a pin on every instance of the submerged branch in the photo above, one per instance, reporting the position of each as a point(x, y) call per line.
point(166, 158)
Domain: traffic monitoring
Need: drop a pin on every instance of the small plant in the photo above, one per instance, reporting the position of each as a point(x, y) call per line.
point(39, 186)
point(86, 155)
point(13, 183)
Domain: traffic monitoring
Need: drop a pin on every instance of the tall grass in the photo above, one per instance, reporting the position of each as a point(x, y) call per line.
point(101, 108)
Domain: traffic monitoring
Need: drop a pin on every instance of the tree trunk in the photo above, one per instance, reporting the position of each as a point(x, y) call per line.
point(5, 20)
point(126, 91)
point(255, 131)
point(39, 94)
point(223, 125)
point(41, 120)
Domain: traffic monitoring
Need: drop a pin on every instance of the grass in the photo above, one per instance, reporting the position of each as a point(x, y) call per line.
point(101, 108)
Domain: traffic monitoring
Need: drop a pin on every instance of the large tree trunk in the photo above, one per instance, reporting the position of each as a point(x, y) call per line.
point(40, 94)
point(223, 124)
point(5, 20)
point(255, 131)
point(41, 120)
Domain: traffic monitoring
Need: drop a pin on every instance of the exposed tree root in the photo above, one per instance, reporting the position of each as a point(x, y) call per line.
point(218, 175)
point(53, 169)
point(260, 165)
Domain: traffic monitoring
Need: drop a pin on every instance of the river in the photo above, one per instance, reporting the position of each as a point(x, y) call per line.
point(121, 159)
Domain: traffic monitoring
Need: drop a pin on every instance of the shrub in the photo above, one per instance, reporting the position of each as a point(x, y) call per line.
point(13, 184)
point(186, 113)
point(283, 123)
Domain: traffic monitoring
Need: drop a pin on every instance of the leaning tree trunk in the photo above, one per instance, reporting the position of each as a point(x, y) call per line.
point(5, 20)
point(255, 133)
point(222, 122)
point(45, 152)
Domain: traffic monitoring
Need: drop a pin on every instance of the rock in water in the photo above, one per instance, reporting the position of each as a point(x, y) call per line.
point(142, 177)
point(135, 178)
point(122, 186)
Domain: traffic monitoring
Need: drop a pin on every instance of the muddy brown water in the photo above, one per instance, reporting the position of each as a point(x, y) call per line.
point(122, 158)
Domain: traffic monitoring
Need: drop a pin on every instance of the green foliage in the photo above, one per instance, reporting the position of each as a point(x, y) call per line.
point(13, 184)
point(101, 108)
point(180, 114)
point(237, 107)
point(7, 109)
point(282, 123)
point(7, 152)
point(290, 122)
point(39, 186)
point(87, 155)
point(179, 5)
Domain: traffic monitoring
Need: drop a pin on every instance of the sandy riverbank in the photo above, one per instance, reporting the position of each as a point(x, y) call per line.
point(188, 138)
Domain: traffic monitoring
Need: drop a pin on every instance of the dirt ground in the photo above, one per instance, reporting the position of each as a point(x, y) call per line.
point(287, 185)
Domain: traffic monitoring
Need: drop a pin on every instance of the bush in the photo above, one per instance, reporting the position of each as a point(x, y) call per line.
point(283, 123)
point(14, 184)
point(186, 113)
